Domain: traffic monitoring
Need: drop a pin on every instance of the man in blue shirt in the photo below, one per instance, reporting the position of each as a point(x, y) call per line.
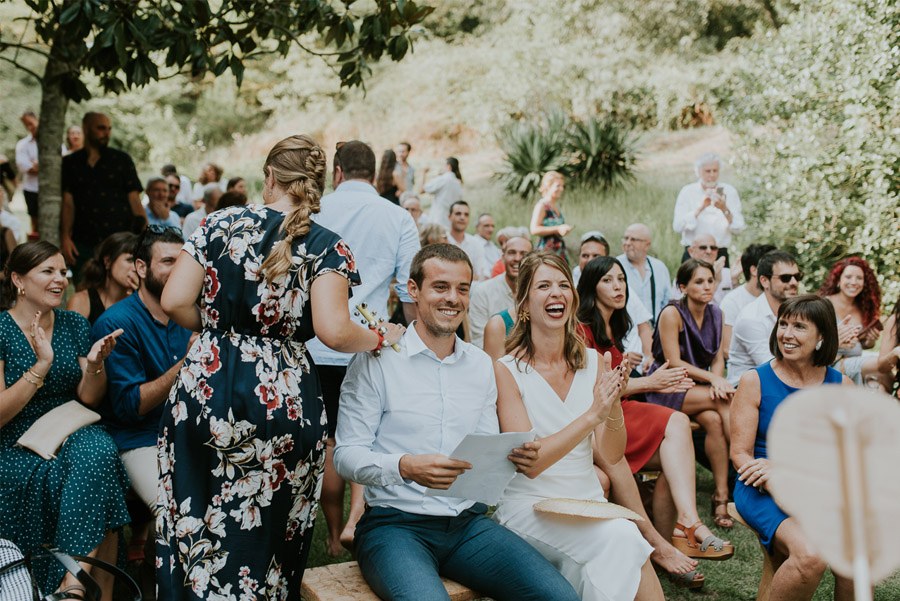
point(143, 367)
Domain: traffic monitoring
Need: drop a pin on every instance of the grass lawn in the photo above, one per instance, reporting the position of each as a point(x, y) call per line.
point(734, 580)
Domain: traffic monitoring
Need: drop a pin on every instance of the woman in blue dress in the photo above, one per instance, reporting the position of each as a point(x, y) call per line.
point(804, 343)
point(75, 501)
point(242, 439)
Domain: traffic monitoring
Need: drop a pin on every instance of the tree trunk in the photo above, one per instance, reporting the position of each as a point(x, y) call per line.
point(50, 136)
point(770, 8)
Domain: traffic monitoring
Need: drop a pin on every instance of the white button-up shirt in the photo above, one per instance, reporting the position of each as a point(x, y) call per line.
point(492, 252)
point(447, 190)
point(475, 250)
point(655, 278)
point(26, 157)
point(411, 402)
point(710, 220)
point(384, 240)
point(750, 338)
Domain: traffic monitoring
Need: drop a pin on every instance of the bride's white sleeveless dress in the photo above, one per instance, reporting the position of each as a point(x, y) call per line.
point(602, 559)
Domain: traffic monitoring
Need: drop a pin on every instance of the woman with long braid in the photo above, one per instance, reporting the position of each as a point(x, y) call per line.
point(242, 439)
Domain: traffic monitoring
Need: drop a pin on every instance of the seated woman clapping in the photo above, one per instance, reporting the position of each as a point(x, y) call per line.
point(659, 438)
point(76, 501)
point(689, 335)
point(804, 343)
point(569, 395)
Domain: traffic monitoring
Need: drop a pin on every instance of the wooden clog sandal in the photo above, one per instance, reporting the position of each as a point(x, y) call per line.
point(692, 580)
point(712, 546)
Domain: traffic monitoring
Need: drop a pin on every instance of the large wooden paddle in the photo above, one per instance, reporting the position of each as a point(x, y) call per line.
point(835, 454)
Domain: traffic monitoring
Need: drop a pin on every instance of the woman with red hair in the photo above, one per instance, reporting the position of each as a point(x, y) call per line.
point(853, 290)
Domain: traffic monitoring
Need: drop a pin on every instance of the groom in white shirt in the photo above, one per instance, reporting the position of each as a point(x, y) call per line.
point(400, 416)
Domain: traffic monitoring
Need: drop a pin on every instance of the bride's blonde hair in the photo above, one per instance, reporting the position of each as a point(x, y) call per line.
point(298, 166)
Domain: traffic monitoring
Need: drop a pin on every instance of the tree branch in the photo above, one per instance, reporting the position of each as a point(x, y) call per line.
point(5, 45)
point(25, 69)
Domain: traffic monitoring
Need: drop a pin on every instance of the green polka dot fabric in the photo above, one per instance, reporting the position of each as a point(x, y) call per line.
point(70, 502)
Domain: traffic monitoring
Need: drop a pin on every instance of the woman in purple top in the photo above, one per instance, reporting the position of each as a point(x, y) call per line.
point(689, 335)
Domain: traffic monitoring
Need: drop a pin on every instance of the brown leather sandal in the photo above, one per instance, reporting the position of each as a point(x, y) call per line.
point(712, 547)
point(721, 519)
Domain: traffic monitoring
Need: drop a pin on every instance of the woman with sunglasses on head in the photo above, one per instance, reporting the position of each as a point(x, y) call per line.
point(569, 395)
point(242, 444)
point(75, 501)
point(852, 289)
point(107, 278)
point(689, 335)
point(659, 438)
point(804, 344)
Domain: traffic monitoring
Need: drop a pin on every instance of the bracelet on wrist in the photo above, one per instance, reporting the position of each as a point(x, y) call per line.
point(96, 372)
point(35, 374)
point(622, 425)
point(36, 383)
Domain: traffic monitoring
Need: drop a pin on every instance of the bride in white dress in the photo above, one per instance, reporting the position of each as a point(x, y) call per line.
point(568, 394)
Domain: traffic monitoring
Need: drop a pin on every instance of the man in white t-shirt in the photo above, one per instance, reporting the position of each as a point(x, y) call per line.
point(459, 221)
point(779, 278)
point(740, 297)
point(498, 293)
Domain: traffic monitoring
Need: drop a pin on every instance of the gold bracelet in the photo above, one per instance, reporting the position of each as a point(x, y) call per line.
point(616, 419)
point(36, 383)
point(95, 373)
point(614, 429)
point(35, 374)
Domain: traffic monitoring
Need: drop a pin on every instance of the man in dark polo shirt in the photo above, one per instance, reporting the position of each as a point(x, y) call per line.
point(101, 193)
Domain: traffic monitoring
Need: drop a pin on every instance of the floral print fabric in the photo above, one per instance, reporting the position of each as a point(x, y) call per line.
point(242, 439)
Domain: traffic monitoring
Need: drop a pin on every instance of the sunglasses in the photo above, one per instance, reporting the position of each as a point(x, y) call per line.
point(707, 247)
point(174, 187)
point(787, 277)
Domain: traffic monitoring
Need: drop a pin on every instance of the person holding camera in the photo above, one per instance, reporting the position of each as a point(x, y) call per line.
point(708, 206)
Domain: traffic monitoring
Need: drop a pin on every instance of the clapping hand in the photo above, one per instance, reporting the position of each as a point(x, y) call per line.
point(607, 388)
point(40, 341)
point(103, 347)
point(847, 333)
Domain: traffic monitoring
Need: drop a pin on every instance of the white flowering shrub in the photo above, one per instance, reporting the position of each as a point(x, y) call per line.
point(816, 106)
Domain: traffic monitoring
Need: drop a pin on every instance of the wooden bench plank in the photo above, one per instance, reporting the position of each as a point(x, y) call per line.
point(768, 568)
point(344, 582)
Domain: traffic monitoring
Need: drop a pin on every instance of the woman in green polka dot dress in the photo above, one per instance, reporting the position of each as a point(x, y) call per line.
point(75, 502)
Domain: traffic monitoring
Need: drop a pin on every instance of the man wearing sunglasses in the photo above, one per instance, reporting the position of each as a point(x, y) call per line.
point(704, 248)
point(779, 277)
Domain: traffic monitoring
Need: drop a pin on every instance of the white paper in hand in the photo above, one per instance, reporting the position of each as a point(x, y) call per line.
point(491, 470)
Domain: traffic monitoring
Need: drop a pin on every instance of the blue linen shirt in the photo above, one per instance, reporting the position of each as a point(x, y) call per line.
point(411, 402)
point(145, 351)
point(172, 221)
point(384, 240)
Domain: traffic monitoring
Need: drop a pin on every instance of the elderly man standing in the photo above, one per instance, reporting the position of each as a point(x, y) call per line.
point(413, 204)
point(497, 293)
point(101, 193)
point(648, 277)
point(484, 228)
point(708, 206)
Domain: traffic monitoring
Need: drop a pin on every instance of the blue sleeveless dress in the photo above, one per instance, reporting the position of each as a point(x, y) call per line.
point(759, 508)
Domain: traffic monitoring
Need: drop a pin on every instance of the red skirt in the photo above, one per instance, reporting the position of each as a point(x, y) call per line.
point(645, 424)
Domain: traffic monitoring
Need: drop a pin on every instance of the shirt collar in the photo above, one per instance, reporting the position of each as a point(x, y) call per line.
point(356, 185)
point(415, 345)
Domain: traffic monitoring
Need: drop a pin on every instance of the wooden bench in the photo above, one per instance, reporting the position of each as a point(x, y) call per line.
point(344, 582)
point(768, 568)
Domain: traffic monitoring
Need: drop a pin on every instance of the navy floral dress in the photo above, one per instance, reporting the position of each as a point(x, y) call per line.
point(242, 439)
